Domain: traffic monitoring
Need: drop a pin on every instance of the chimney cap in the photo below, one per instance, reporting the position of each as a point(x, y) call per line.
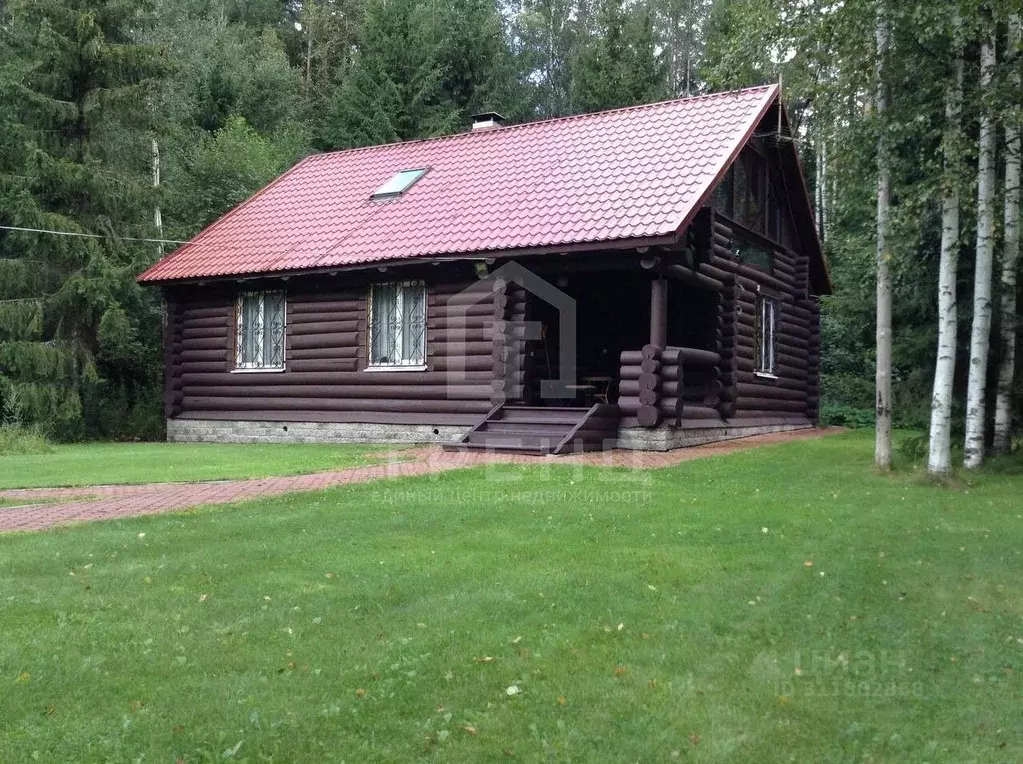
point(486, 120)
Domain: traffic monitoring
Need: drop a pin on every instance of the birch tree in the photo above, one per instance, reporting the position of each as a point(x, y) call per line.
point(883, 374)
point(939, 460)
point(973, 452)
point(1008, 321)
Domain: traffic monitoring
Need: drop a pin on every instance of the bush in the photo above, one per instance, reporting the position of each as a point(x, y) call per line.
point(842, 415)
point(21, 439)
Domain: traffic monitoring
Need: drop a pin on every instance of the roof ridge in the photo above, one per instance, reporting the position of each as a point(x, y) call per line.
point(548, 120)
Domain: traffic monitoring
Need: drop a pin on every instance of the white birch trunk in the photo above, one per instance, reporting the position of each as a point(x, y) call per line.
point(157, 214)
point(883, 377)
point(1008, 320)
point(980, 337)
point(939, 461)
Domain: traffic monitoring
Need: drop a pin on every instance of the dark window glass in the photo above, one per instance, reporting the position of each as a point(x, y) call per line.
point(723, 194)
point(766, 320)
point(750, 254)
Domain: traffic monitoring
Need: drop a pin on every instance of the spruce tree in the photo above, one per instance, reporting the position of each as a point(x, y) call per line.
point(75, 112)
point(394, 90)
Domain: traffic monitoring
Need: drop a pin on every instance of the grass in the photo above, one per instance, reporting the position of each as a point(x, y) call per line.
point(109, 463)
point(666, 616)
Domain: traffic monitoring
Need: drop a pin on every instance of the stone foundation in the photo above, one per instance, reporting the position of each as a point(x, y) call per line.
point(227, 431)
point(667, 438)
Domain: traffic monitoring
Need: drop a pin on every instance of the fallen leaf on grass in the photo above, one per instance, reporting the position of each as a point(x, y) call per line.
point(470, 730)
point(621, 671)
point(360, 693)
point(694, 738)
point(808, 564)
point(484, 659)
point(561, 700)
point(51, 710)
point(203, 597)
point(23, 678)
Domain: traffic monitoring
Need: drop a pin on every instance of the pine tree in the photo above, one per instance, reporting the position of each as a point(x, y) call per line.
point(66, 163)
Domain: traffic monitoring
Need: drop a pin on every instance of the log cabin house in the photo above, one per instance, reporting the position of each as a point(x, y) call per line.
point(645, 277)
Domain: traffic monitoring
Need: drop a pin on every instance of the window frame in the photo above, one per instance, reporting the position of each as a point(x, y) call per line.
point(766, 362)
point(417, 174)
point(410, 365)
point(239, 331)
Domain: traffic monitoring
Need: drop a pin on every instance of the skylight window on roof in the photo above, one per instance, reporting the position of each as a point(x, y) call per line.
point(398, 184)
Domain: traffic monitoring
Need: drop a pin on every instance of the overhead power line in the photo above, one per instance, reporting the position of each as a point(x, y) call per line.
point(90, 235)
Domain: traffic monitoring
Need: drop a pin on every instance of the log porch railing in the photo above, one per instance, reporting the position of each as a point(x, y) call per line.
point(672, 384)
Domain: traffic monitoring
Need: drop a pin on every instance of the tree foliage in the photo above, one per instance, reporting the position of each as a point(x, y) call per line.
point(229, 94)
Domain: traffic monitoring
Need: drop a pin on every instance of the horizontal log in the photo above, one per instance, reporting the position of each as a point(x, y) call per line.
point(323, 308)
point(342, 365)
point(196, 403)
point(650, 353)
point(321, 353)
point(692, 278)
point(670, 407)
point(753, 390)
point(650, 366)
point(311, 341)
point(189, 356)
point(322, 327)
point(199, 366)
point(698, 357)
point(374, 417)
point(768, 404)
point(208, 332)
point(648, 416)
point(219, 312)
point(365, 379)
point(456, 363)
point(410, 391)
point(700, 412)
point(221, 322)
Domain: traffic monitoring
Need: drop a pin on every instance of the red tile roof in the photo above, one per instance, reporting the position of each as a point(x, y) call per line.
point(633, 173)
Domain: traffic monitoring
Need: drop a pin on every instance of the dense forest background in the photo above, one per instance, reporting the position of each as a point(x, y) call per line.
point(126, 121)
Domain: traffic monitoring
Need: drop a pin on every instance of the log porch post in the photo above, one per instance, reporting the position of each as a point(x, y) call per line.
point(659, 312)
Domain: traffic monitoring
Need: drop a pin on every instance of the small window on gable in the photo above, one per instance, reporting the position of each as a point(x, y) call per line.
point(397, 331)
point(398, 184)
point(259, 331)
point(749, 253)
point(766, 325)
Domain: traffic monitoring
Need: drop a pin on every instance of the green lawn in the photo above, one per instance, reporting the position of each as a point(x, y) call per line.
point(108, 463)
point(548, 613)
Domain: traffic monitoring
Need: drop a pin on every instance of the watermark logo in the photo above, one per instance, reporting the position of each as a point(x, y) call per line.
point(511, 330)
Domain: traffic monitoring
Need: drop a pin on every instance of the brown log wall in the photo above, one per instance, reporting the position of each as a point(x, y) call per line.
point(326, 354)
point(745, 395)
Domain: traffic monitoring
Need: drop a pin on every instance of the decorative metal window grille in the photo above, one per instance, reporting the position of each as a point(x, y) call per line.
point(766, 310)
point(398, 324)
point(259, 330)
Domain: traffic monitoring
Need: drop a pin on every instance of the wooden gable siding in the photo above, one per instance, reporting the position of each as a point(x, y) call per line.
point(325, 377)
point(750, 398)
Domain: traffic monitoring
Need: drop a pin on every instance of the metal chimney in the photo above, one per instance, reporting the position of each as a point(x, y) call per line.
point(488, 120)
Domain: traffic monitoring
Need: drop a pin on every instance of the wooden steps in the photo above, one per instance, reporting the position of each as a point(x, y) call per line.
point(542, 430)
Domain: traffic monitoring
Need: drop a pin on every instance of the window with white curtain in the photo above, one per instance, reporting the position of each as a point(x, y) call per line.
point(398, 324)
point(259, 331)
point(766, 323)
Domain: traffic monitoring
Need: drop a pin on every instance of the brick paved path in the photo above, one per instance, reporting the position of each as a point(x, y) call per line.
point(73, 505)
